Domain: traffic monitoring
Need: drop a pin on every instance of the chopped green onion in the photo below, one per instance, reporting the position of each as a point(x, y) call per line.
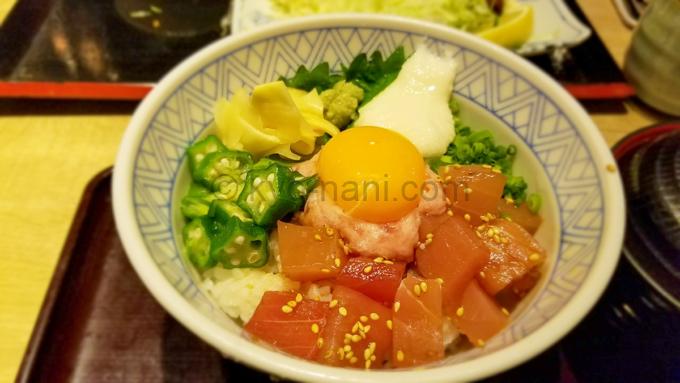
point(534, 202)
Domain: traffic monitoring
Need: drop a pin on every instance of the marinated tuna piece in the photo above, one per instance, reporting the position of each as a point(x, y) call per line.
point(418, 323)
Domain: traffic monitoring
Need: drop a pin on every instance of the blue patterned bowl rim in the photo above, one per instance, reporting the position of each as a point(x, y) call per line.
point(235, 346)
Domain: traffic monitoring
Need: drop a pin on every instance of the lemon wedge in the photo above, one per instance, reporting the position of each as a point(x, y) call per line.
point(514, 26)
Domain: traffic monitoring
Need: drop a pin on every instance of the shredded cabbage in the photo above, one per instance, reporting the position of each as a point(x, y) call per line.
point(468, 15)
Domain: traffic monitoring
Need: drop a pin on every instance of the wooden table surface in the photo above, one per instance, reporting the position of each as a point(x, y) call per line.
point(47, 159)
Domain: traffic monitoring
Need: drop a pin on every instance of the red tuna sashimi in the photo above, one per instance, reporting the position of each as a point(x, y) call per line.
point(294, 330)
point(455, 254)
point(520, 215)
point(514, 252)
point(479, 317)
point(472, 189)
point(375, 278)
point(308, 253)
point(357, 327)
point(417, 330)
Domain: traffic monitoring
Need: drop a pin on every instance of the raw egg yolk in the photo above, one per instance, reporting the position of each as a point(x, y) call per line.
point(373, 174)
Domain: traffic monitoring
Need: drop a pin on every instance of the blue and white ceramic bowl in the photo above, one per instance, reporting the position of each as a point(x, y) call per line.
point(561, 153)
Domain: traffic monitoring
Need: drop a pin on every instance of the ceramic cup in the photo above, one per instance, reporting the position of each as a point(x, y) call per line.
point(652, 63)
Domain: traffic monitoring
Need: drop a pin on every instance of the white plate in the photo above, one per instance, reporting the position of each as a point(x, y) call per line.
point(554, 24)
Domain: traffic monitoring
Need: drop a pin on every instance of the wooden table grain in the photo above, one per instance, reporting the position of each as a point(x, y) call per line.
point(46, 159)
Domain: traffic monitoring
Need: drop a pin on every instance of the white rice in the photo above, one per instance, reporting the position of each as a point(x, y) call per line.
point(451, 334)
point(318, 292)
point(239, 291)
